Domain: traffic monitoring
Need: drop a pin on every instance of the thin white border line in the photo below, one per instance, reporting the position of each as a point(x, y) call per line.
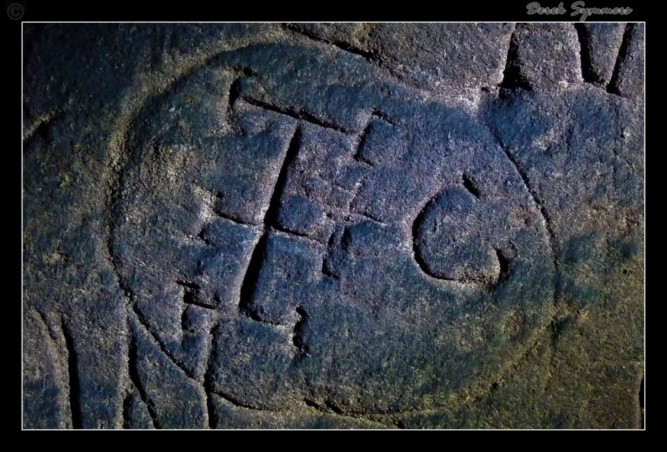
point(22, 238)
point(327, 22)
point(643, 407)
point(643, 414)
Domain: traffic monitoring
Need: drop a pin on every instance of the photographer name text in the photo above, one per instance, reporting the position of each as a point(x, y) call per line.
point(577, 9)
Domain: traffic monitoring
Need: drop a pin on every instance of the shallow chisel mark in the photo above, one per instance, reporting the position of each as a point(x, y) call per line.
point(189, 298)
point(353, 214)
point(73, 375)
point(236, 402)
point(328, 271)
point(364, 217)
point(294, 234)
point(330, 405)
point(504, 263)
point(298, 333)
point(311, 404)
point(470, 186)
point(383, 116)
point(235, 87)
point(136, 381)
point(342, 45)
point(234, 219)
point(190, 292)
point(213, 198)
point(234, 93)
point(39, 127)
point(362, 142)
point(328, 267)
point(201, 235)
point(187, 285)
point(363, 161)
point(612, 87)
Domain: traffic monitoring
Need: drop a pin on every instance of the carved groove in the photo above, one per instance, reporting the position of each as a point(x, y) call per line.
point(470, 186)
point(419, 258)
point(233, 218)
point(587, 70)
point(127, 401)
point(536, 199)
point(251, 276)
point(250, 279)
point(190, 292)
point(142, 321)
point(73, 375)
point(364, 134)
point(513, 78)
point(136, 381)
point(299, 115)
point(612, 87)
point(504, 263)
point(211, 413)
point(298, 333)
point(290, 156)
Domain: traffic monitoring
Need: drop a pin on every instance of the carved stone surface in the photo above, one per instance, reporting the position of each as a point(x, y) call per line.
point(333, 226)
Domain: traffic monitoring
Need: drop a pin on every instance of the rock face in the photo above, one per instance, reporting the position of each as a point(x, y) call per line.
point(333, 226)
